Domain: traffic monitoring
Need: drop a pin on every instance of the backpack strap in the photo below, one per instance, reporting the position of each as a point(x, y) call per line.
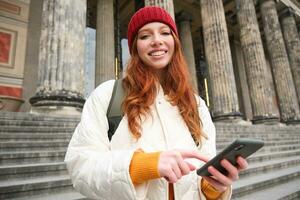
point(114, 110)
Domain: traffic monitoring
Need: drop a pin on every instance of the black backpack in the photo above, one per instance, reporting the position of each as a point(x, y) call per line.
point(114, 113)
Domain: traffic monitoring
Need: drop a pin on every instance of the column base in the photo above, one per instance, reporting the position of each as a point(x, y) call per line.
point(229, 117)
point(57, 98)
point(239, 121)
point(292, 121)
point(265, 120)
point(59, 102)
point(56, 110)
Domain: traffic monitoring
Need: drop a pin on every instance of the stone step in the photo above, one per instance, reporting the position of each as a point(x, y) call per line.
point(38, 123)
point(256, 134)
point(279, 148)
point(35, 129)
point(23, 157)
point(61, 144)
point(32, 170)
point(57, 195)
point(270, 140)
point(257, 131)
point(265, 137)
point(270, 165)
point(252, 184)
point(33, 136)
point(260, 130)
point(52, 155)
point(34, 145)
point(261, 157)
point(234, 126)
point(69, 194)
point(222, 145)
point(58, 134)
point(274, 141)
point(255, 128)
point(32, 186)
point(274, 148)
point(284, 191)
point(23, 116)
point(292, 196)
point(281, 191)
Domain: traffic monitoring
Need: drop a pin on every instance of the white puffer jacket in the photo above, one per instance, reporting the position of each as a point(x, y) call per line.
point(99, 169)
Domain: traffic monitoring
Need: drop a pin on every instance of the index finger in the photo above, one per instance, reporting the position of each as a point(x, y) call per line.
point(193, 154)
point(243, 164)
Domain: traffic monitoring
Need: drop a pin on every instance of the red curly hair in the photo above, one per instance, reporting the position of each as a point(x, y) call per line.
point(140, 85)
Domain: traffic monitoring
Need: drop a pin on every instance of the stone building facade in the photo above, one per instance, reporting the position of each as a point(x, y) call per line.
point(243, 55)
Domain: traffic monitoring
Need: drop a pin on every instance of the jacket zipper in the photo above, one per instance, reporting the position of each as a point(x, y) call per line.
point(158, 107)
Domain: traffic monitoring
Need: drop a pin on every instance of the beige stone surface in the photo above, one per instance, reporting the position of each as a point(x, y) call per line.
point(168, 5)
point(218, 57)
point(15, 9)
point(292, 42)
point(260, 89)
point(105, 42)
point(286, 93)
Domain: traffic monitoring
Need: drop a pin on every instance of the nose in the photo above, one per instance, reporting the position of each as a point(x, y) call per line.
point(156, 40)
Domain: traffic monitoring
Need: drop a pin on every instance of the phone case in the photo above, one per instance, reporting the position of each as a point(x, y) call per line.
point(243, 147)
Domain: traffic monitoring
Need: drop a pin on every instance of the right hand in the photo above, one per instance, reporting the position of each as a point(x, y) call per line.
point(172, 166)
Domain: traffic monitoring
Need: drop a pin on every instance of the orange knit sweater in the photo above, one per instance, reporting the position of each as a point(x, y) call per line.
point(144, 166)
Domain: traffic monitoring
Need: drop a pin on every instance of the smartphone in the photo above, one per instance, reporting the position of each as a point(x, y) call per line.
point(243, 147)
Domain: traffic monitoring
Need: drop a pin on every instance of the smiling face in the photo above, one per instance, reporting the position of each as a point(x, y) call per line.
point(155, 45)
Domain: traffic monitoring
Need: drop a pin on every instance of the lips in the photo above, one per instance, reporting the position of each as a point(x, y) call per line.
point(159, 52)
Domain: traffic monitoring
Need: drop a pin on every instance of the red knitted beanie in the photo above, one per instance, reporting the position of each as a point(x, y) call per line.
point(147, 15)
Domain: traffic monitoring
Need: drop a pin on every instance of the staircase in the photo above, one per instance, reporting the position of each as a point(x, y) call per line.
point(274, 171)
point(32, 150)
point(31, 157)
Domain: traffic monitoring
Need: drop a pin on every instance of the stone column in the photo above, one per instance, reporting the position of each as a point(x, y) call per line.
point(165, 4)
point(118, 49)
point(280, 64)
point(292, 42)
point(218, 57)
point(105, 42)
point(30, 80)
point(61, 58)
point(261, 93)
point(184, 19)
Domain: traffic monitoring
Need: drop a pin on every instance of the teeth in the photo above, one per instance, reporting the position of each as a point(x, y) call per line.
point(157, 53)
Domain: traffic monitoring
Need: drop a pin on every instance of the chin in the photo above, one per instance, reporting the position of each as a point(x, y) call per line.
point(159, 65)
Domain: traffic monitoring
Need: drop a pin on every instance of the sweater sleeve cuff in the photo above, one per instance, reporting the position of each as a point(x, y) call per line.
point(144, 166)
point(209, 191)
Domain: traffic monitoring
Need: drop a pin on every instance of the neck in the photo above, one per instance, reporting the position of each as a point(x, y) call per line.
point(160, 74)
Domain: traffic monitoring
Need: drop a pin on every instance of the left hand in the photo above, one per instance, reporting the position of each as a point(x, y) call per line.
point(220, 181)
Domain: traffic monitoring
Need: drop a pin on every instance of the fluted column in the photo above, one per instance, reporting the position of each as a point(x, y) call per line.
point(184, 20)
point(218, 57)
point(61, 57)
point(165, 4)
point(105, 42)
point(280, 64)
point(292, 42)
point(261, 93)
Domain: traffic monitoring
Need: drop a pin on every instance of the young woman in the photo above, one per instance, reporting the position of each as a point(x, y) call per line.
point(166, 132)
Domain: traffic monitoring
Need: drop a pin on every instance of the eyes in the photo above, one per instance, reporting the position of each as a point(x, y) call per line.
point(144, 36)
